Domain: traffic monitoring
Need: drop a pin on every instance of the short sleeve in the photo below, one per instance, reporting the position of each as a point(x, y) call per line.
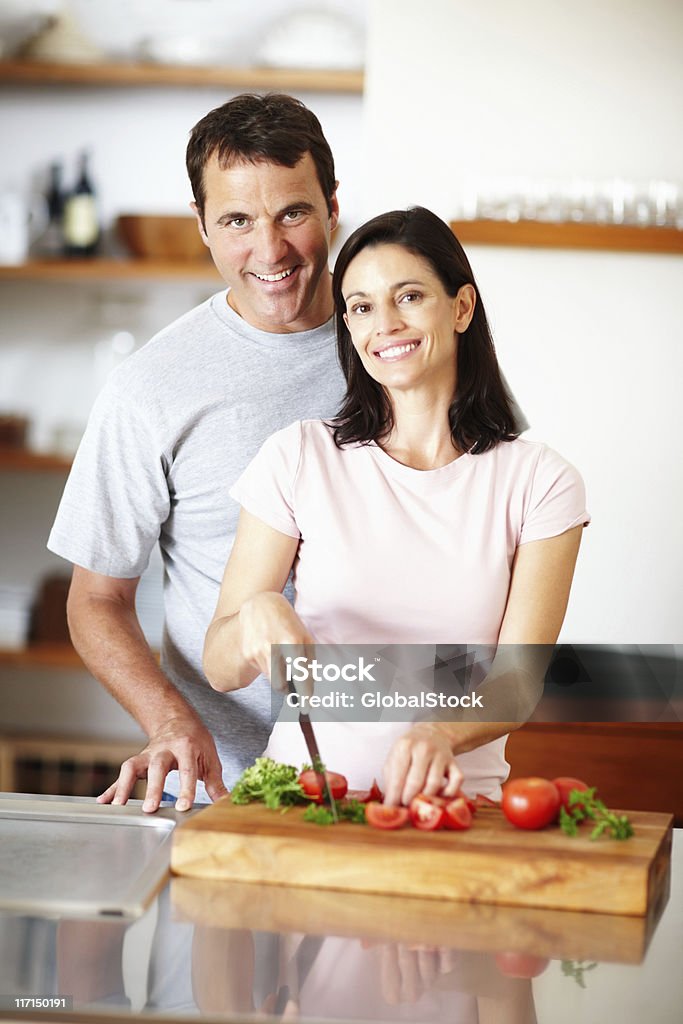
point(557, 499)
point(116, 497)
point(266, 487)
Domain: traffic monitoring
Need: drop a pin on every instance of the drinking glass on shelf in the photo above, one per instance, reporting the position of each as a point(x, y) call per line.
point(664, 201)
point(581, 204)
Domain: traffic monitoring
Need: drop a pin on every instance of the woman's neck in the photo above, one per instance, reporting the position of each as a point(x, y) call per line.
point(421, 435)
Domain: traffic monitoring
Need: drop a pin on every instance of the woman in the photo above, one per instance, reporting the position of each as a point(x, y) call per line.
point(416, 517)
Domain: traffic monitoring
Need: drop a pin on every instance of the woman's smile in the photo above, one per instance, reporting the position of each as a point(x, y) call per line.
point(397, 350)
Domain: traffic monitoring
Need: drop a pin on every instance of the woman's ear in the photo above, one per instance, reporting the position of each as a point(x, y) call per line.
point(463, 308)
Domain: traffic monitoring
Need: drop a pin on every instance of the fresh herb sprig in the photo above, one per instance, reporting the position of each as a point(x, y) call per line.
point(576, 969)
point(347, 810)
point(269, 781)
point(318, 815)
point(583, 804)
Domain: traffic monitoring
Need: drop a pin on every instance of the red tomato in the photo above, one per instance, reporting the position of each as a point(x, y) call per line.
point(485, 801)
point(380, 816)
point(564, 785)
point(375, 792)
point(530, 803)
point(520, 965)
point(310, 783)
point(428, 812)
point(458, 814)
point(364, 796)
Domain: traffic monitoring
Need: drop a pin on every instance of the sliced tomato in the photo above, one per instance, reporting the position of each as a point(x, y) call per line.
point(364, 796)
point(485, 801)
point(375, 792)
point(310, 783)
point(458, 814)
point(381, 816)
point(565, 785)
point(428, 812)
point(530, 803)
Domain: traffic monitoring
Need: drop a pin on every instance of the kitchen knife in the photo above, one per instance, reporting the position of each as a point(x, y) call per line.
point(314, 754)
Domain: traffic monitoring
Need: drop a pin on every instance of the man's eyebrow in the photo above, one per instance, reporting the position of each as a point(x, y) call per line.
point(232, 215)
point(240, 215)
point(303, 205)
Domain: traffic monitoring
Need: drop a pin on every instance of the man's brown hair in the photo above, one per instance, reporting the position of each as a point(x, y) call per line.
point(275, 128)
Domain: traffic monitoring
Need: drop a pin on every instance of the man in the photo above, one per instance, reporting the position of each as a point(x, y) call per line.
point(178, 422)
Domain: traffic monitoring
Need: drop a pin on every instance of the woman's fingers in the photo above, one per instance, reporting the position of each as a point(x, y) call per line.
point(454, 779)
point(421, 761)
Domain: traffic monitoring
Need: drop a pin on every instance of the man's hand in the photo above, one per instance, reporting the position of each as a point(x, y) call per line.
point(181, 743)
point(421, 761)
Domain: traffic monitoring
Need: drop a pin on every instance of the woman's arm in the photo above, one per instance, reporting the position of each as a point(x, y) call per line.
point(541, 579)
point(251, 613)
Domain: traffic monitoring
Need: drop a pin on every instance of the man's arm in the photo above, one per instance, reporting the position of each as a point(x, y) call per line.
point(106, 633)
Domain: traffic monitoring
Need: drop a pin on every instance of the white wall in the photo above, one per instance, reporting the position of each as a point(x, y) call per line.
point(538, 88)
point(592, 342)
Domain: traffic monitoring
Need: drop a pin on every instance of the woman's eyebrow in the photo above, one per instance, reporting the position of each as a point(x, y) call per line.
point(394, 287)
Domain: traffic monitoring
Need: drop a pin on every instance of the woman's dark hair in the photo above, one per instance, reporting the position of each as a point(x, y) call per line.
point(275, 127)
point(480, 414)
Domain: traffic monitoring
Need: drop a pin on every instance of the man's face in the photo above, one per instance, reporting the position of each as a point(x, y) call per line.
point(268, 229)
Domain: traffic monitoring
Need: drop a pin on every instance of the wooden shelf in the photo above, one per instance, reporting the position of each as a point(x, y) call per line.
point(23, 460)
point(42, 656)
point(525, 234)
point(63, 765)
point(25, 72)
point(104, 269)
point(542, 235)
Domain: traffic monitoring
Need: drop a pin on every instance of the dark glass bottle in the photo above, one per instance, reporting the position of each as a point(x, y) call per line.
point(51, 242)
point(80, 222)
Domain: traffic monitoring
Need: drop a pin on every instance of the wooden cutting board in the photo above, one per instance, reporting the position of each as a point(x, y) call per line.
point(492, 862)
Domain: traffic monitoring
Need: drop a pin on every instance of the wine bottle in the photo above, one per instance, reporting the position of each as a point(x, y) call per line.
point(80, 223)
point(51, 241)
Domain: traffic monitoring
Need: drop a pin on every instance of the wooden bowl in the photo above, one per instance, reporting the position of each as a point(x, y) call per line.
point(161, 237)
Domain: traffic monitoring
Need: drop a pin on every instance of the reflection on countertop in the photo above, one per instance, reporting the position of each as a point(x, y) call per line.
point(225, 950)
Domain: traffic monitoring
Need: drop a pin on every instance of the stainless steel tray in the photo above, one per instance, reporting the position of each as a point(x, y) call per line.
point(70, 856)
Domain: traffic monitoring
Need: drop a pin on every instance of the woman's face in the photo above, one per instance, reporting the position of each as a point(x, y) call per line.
point(402, 322)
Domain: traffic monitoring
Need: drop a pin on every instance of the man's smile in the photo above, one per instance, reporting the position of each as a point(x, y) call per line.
point(280, 276)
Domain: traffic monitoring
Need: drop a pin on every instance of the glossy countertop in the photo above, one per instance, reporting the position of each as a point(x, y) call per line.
point(229, 951)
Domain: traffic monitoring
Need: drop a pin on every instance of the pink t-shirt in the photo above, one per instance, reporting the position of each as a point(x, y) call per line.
point(393, 555)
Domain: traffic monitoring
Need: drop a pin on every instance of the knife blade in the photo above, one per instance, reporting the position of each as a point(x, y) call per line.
point(314, 754)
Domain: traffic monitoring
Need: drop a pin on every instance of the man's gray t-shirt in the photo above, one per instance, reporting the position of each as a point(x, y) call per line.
point(171, 431)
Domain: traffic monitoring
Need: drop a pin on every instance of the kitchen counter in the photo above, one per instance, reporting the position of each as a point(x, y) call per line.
point(218, 951)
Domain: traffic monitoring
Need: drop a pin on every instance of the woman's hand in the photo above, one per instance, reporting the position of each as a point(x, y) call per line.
point(266, 619)
point(421, 761)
